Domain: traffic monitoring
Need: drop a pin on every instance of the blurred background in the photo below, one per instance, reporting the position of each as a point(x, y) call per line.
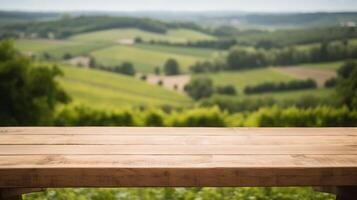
point(227, 63)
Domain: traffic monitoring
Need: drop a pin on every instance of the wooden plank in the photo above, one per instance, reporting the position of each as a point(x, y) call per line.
point(177, 149)
point(176, 177)
point(177, 161)
point(134, 157)
point(179, 131)
point(172, 140)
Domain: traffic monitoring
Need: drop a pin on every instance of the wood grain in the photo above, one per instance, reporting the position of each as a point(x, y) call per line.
point(134, 157)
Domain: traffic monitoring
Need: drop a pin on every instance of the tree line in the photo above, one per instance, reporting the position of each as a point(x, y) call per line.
point(243, 58)
point(281, 86)
point(71, 25)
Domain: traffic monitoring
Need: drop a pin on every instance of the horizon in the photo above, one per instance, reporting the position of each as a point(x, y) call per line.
point(269, 6)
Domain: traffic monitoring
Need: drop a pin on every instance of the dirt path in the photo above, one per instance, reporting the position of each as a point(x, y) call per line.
point(319, 75)
point(169, 82)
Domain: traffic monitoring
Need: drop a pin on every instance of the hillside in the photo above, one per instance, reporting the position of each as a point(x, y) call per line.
point(241, 79)
point(104, 46)
point(104, 90)
point(146, 58)
point(115, 35)
point(69, 25)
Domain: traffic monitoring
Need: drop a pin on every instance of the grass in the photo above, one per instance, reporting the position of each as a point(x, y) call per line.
point(105, 90)
point(144, 59)
point(41, 45)
point(241, 79)
point(325, 66)
point(175, 35)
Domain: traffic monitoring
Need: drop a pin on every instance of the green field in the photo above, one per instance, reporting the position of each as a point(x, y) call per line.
point(325, 66)
point(253, 77)
point(41, 45)
point(174, 35)
point(241, 79)
point(105, 90)
point(145, 58)
point(104, 46)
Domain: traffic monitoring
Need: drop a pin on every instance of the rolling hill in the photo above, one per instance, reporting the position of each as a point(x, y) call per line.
point(114, 35)
point(146, 58)
point(105, 90)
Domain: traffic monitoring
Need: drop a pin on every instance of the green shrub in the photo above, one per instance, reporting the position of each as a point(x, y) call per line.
point(282, 86)
point(199, 88)
point(226, 90)
point(294, 117)
point(198, 118)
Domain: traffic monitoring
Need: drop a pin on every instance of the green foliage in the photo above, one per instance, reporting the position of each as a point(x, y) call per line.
point(226, 90)
point(182, 194)
point(307, 115)
point(282, 86)
point(346, 70)
point(127, 68)
point(199, 88)
point(157, 70)
point(347, 84)
point(207, 66)
point(294, 117)
point(254, 103)
point(67, 56)
point(171, 67)
point(199, 118)
point(305, 35)
point(29, 94)
point(84, 116)
point(330, 83)
point(154, 119)
point(92, 62)
point(238, 59)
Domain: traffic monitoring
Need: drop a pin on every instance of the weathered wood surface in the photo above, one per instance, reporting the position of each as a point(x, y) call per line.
point(136, 157)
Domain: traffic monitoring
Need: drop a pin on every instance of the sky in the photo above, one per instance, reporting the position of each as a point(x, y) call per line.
point(180, 5)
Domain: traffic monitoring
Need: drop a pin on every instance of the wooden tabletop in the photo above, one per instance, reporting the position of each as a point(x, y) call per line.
point(139, 157)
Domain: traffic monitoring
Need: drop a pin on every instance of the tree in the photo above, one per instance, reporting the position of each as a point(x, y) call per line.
point(29, 94)
point(92, 62)
point(243, 59)
point(347, 84)
point(157, 70)
point(46, 56)
point(67, 56)
point(330, 83)
point(128, 69)
point(226, 90)
point(346, 69)
point(144, 77)
point(138, 40)
point(199, 88)
point(171, 67)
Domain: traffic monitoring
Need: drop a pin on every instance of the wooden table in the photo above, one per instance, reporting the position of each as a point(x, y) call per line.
point(177, 157)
